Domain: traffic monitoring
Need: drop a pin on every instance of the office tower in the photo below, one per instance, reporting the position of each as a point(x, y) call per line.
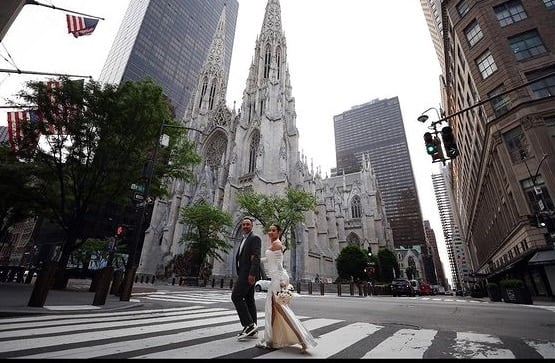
point(497, 84)
point(168, 41)
point(434, 254)
point(376, 129)
point(449, 223)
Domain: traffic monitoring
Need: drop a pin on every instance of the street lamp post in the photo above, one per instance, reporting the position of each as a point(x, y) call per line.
point(131, 266)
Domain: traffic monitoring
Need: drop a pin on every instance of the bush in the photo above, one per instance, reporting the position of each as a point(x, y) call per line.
point(492, 285)
point(511, 283)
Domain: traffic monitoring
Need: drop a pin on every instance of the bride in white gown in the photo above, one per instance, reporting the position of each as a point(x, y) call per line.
point(282, 327)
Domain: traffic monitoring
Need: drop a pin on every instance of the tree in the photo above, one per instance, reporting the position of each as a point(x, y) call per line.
point(98, 139)
point(388, 264)
point(17, 201)
point(204, 237)
point(287, 211)
point(352, 262)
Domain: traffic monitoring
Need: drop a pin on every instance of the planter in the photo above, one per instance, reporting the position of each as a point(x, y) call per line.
point(494, 293)
point(516, 295)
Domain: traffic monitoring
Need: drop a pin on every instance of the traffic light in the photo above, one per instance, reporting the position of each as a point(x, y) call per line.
point(120, 230)
point(433, 146)
point(449, 142)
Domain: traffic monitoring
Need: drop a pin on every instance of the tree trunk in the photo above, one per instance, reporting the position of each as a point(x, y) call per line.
point(60, 281)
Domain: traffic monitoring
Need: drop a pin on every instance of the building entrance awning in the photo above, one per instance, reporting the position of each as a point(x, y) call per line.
point(543, 258)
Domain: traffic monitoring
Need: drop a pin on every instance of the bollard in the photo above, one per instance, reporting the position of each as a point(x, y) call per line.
point(339, 289)
point(321, 288)
point(142, 278)
point(153, 278)
point(352, 289)
point(173, 280)
point(222, 283)
point(231, 284)
point(213, 282)
point(310, 287)
point(298, 287)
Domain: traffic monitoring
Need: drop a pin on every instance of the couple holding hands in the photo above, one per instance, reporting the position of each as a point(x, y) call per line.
point(282, 328)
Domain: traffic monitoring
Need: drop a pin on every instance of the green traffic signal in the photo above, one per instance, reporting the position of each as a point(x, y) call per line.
point(431, 147)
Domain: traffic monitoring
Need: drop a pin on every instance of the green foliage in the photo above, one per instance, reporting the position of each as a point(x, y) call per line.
point(511, 283)
point(204, 237)
point(103, 136)
point(287, 210)
point(18, 201)
point(388, 263)
point(492, 285)
point(352, 261)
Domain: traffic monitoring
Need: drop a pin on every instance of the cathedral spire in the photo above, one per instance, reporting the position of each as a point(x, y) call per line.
point(272, 19)
point(211, 86)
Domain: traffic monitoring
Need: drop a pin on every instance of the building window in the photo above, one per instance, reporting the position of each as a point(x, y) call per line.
point(550, 4)
point(544, 87)
point(212, 95)
point(253, 152)
point(203, 91)
point(486, 64)
point(278, 61)
point(267, 60)
point(462, 8)
point(500, 104)
point(356, 208)
point(473, 32)
point(509, 12)
point(516, 144)
point(537, 194)
point(527, 45)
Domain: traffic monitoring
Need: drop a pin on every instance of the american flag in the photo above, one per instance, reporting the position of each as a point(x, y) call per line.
point(78, 25)
point(18, 136)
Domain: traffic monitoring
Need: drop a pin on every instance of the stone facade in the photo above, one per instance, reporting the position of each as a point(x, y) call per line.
point(257, 148)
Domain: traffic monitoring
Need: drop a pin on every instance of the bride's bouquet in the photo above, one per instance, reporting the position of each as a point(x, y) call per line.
point(284, 296)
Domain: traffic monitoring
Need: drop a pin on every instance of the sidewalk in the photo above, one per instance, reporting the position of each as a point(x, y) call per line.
point(14, 298)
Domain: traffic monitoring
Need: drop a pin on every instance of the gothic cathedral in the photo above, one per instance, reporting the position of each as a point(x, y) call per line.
point(257, 149)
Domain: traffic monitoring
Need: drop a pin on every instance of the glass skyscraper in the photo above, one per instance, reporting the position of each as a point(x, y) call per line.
point(168, 41)
point(376, 130)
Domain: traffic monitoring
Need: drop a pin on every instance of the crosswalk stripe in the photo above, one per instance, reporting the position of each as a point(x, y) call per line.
point(25, 333)
point(475, 345)
point(199, 331)
point(109, 332)
point(405, 343)
point(57, 317)
point(214, 349)
point(98, 319)
point(329, 343)
point(545, 349)
point(145, 343)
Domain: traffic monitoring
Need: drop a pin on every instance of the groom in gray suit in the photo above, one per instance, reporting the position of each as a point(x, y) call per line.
point(247, 263)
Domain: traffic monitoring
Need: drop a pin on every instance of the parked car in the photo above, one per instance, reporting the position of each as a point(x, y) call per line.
point(401, 287)
point(426, 289)
point(262, 285)
point(415, 286)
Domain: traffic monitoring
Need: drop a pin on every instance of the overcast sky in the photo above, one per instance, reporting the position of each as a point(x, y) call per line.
point(341, 53)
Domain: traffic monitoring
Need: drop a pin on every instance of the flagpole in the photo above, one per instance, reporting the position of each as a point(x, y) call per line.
point(33, 2)
point(18, 71)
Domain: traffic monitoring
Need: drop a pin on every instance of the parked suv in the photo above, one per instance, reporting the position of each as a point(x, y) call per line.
point(401, 287)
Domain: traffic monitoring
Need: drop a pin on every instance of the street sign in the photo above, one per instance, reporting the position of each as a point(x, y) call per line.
point(138, 197)
point(138, 187)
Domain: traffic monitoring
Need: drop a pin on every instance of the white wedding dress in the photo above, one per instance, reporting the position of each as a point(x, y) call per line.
point(282, 327)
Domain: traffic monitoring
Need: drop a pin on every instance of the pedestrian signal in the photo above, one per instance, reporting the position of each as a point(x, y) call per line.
point(119, 231)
